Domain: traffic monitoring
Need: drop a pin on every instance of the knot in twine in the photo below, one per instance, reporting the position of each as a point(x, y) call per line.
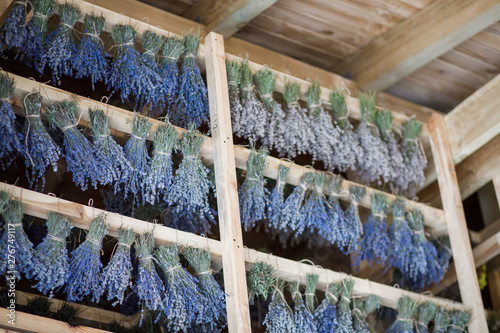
point(40, 15)
point(189, 55)
point(57, 239)
point(318, 189)
point(233, 83)
point(171, 269)
point(66, 25)
point(399, 218)
point(315, 105)
point(248, 88)
point(68, 127)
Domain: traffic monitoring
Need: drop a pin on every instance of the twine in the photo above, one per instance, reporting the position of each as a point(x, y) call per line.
point(315, 105)
point(381, 215)
point(342, 193)
point(94, 241)
point(38, 14)
point(190, 55)
point(67, 25)
point(126, 245)
point(250, 178)
point(137, 137)
point(310, 294)
point(205, 272)
point(345, 298)
point(171, 269)
point(22, 2)
point(6, 99)
point(399, 218)
point(56, 238)
point(267, 96)
point(33, 116)
point(169, 57)
point(293, 104)
point(149, 257)
point(68, 127)
point(15, 224)
point(318, 189)
point(248, 88)
point(335, 298)
point(190, 156)
point(162, 153)
point(356, 212)
point(232, 83)
point(457, 327)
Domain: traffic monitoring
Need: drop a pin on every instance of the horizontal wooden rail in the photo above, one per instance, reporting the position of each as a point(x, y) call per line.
point(39, 205)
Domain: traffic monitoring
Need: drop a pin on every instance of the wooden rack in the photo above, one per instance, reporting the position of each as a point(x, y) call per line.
point(220, 150)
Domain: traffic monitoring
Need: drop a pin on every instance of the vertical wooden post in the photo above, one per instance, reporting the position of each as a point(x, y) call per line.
point(496, 186)
point(233, 260)
point(455, 221)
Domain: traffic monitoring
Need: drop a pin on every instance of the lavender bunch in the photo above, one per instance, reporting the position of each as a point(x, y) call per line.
point(375, 241)
point(444, 252)
point(152, 93)
point(83, 160)
point(298, 134)
point(302, 317)
point(311, 284)
point(426, 312)
point(279, 318)
point(375, 163)
point(259, 280)
point(413, 157)
point(61, 48)
point(41, 150)
point(344, 316)
point(159, 178)
point(347, 151)
point(192, 100)
point(313, 213)
point(326, 313)
point(33, 48)
point(352, 228)
point(15, 247)
point(384, 119)
point(106, 146)
point(275, 201)
point(184, 302)
point(14, 31)
point(85, 269)
point(214, 297)
point(290, 214)
point(441, 321)
point(252, 193)
point(91, 59)
point(335, 219)
point(136, 152)
point(169, 71)
point(400, 236)
point(51, 256)
point(407, 308)
point(233, 70)
point(117, 276)
point(10, 139)
point(254, 117)
point(361, 311)
point(459, 320)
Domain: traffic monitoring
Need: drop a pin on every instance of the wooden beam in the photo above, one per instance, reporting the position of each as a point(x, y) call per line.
point(233, 260)
point(494, 285)
point(417, 40)
point(477, 237)
point(457, 226)
point(226, 17)
point(496, 185)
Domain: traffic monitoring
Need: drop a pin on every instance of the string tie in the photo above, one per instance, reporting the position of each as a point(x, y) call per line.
point(318, 189)
point(104, 135)
point(190, 156)
point(67, 25)
point(171, 269)
point(266, 95)
point(380, 215)
point(137, 137)
point(232, 83)
point(335, 298)
point(16, 224)
point(96, 242)
point(205, 272)
point(68, 127)
point(126, 245)
point(162, 153)
point(40, 15)
point(33, 116)
point(6, 99)
point(293, 104)
point(399, 218)
point(169, 57)
point(56, 238)
point(248, 88)
point(345, 299)
point(315, 105)
point(189, 55)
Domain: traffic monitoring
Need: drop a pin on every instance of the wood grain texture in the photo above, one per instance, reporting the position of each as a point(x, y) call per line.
point(496, 185)
point(494, 285)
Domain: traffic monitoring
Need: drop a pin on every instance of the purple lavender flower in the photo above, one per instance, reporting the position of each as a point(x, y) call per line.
point(325, 314)
point(14, 30)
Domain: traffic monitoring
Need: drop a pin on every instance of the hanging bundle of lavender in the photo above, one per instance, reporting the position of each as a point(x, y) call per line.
point(383, 118)
point(444, 252)
point(311, 284)
point(192, 100)
point(136, 152)
point(83, 160)
point(302, 317)
point(15, 247)
point(347, 150)
point(106, 146)
point(407, 308)
point(41, 151)
point(169, 71)
point(276, 198)
point(215, 298)
point(152, 94)
point(290, 215)
point(413, 157)
point(298, 134)
point(85, 269)
point(117, 276)
point(313, 213)
point(33, 49)
point(344, 316)
point(459, 320)
point(279, 318)
point(375, 163)
point(326, 313)
point(400, 236)
point(352, 228)
point(14, 31)
point(426, 312)
point(10, 139)
point(159, 178)
point(51, 255)
point(259, 280)
point(361, 311)
point(233, 70)
point(276, 116)
point(91, 59)
point(252, 193)
point(61, 48)
point(441, 321)
point(335, 220)
point(184, 302)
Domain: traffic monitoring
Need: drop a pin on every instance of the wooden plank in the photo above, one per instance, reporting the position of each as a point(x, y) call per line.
point(5, 8)
point(233, 261)
point(496, 185)
point(457, 226)
point(419, 39)
point(494, 285)
point(226, 17)
point(478, 237)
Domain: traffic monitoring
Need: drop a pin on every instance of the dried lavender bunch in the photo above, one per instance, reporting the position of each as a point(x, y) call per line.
point(215, 307)
point(313, 213)
point(117, 276)
point(311, 284)
point(383, 119)
point(426, 312)
point(459, 320)
point(413, 157)
point(169, 71)
point(15, 247)
point(276, 198)
point(290, 215)
point(407, 308)
point(106, 146)
point(326, 313)
point(302, 317)
point(352, 228)
point(91, 59)
point(441, 321)
point(444, 252)
point(276, 116)
point(85, 269)
point(361, 311)
point(347, 150)
point(400, 236)
point(298, 134)
point(233, 69)
point(344, 316)
point(152, 94)
point(184, 302)
point(279, 318)
point(375, 241)
point(325, 135)
point(259, 280)
point(192, 100)
point(252, 193)
point(10, 139)
point(335, 219)
point(33, 48)
point(51, 255)
point(136, 152)
point(14, 31)
point(86, 163)
point(41, 150)
point(375, 164)
point(61, 48)
point(160, 178)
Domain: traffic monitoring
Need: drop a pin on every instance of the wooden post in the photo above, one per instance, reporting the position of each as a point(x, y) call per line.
point(233, 260)
point(457, 226)
point(494, 284)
